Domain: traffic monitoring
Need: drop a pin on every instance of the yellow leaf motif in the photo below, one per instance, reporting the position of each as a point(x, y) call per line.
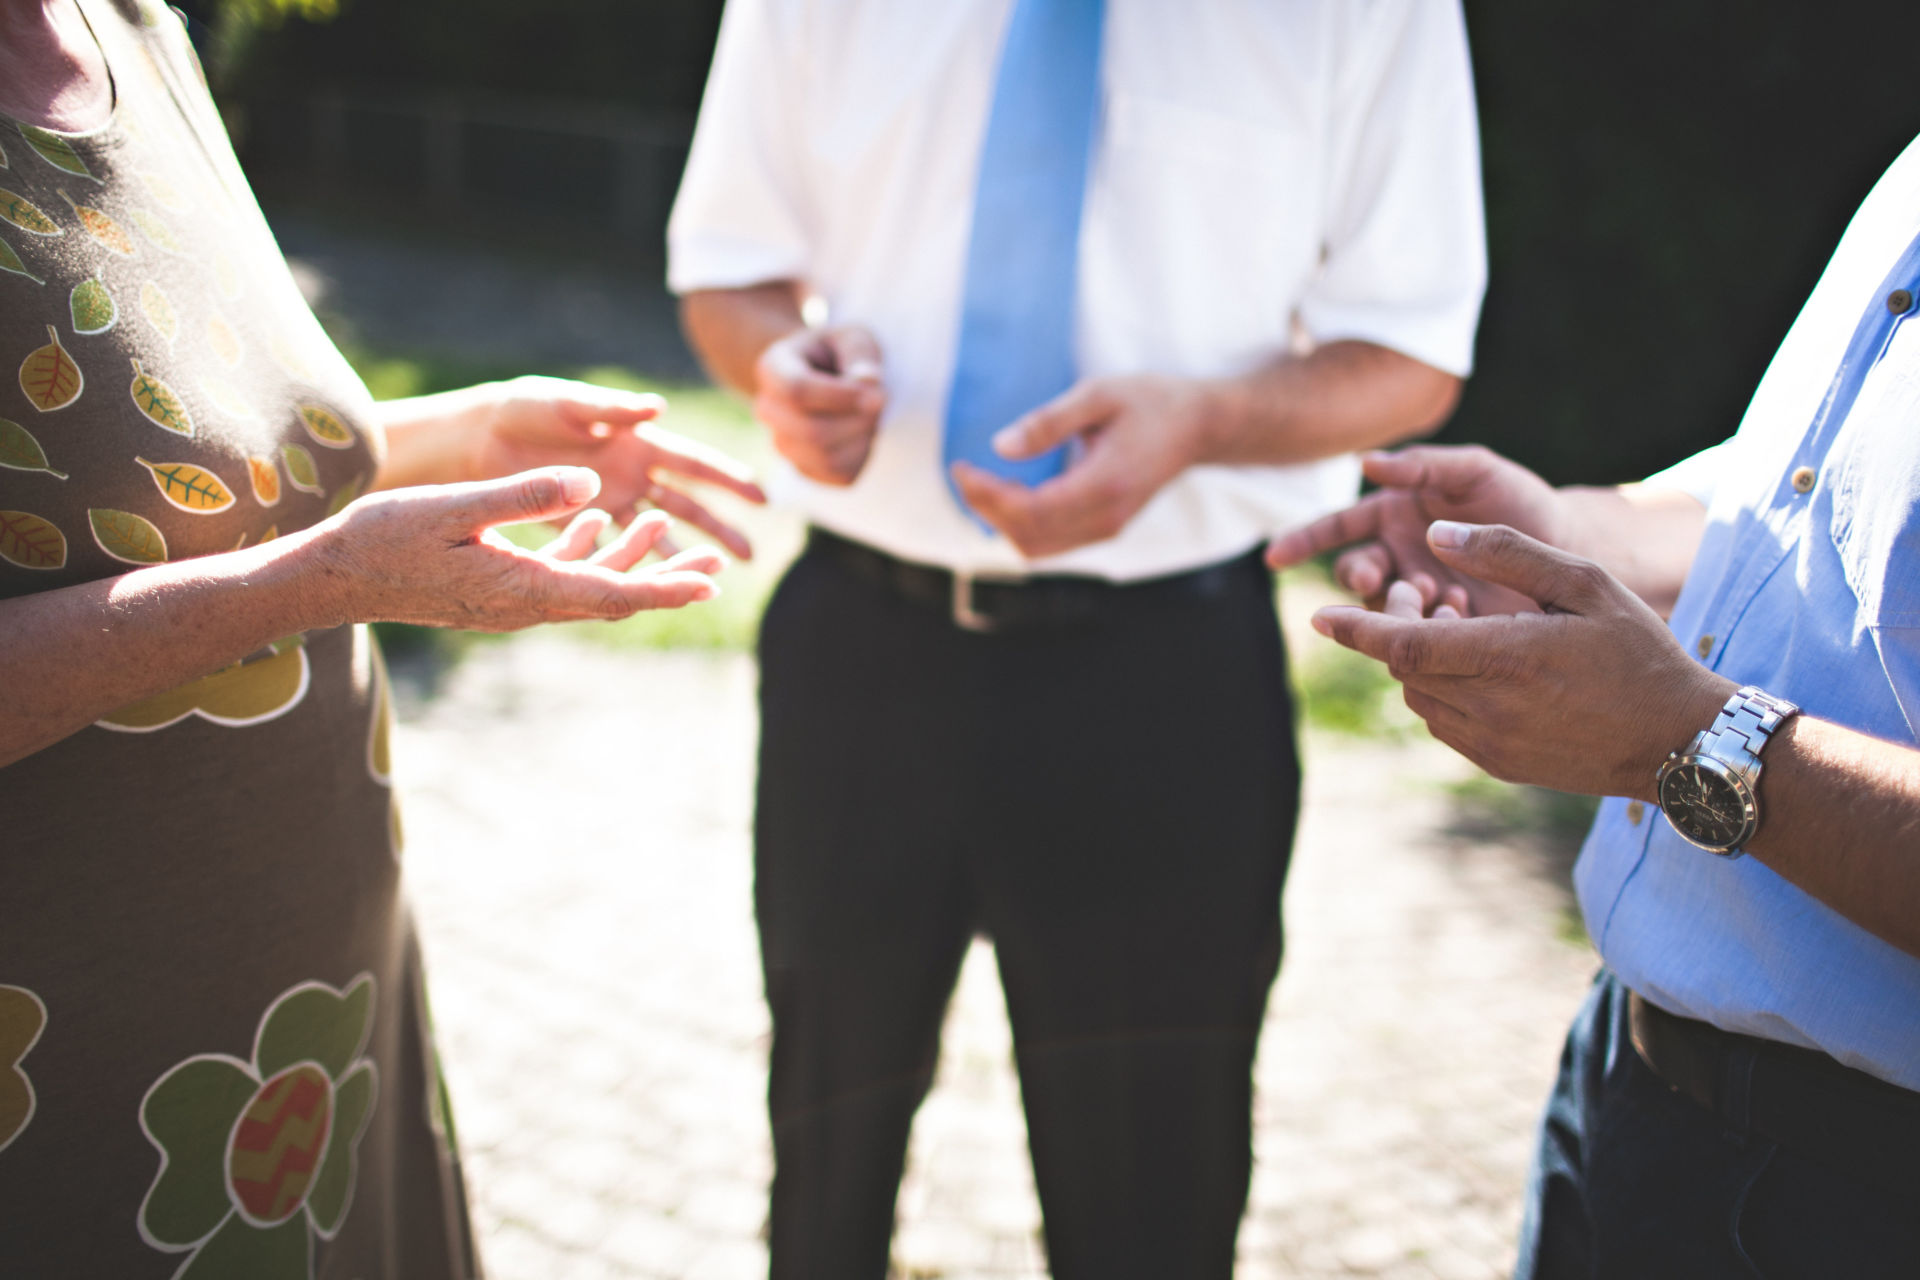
point(155, 231)
point(159, 311)
point(224, 341)
point(127, 537)
point(31, 541)
point(325, 427)
point(244, 694)
point(26, 215)
point(56, 151)
point(188, 487)
point(101, 227)
point(157, 400)
point(300, 469)
point(273, 531)
point(50, 377)
point(266, 481)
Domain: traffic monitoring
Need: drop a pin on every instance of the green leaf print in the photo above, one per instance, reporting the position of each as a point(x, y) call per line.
point(352, 1101)
point(56, 151)
point(10, 261)
point(31, 541)
point(157, 400)
point(345, 496)
point(26, 215)
point(127, 537)
point(315, 1023)
point(325, 427)
point(20, 451)
point(93, 308)
point(300, 468)
point(188, 1114)
point(159, 311)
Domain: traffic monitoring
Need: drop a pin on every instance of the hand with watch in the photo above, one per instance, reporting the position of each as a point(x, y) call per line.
point(1709, 791)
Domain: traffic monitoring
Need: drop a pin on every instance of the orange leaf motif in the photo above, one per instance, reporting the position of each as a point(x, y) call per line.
point(50, 377)
point(31, 541)
point(266, 481)
point(101, 227)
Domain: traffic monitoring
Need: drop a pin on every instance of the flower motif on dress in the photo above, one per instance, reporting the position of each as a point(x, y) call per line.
point(258, 1157)
point(22, 1018)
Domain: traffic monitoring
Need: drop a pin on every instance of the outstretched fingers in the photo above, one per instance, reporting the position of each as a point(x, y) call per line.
point(1557, 581)
point(1360, 522)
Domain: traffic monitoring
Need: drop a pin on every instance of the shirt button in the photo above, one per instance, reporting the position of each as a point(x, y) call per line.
point(1900, 301)
point(1803, 478)
point(1705, 646)
point(1635, 812)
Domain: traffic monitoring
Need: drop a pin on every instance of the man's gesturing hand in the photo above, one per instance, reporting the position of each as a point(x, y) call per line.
point(1385, 533)
point(1138, 433)
point(1588, 695)
point(820, 393)
point(431, 556)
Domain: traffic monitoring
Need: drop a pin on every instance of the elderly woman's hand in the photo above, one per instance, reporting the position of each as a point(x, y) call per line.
point(536, 421)
point(432, 556)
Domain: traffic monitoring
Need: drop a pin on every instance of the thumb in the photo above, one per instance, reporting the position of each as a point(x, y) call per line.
point(1495, 553)
point(518, 499)
point(856, 353)
point(1053, 423)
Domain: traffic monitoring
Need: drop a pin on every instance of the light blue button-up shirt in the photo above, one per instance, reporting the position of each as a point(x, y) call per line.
point(1811, 592)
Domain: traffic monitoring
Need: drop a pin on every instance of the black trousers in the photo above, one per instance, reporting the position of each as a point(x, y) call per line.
point(1113, 804)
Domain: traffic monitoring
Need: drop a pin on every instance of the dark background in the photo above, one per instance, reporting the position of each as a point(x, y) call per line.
point(1664, 182)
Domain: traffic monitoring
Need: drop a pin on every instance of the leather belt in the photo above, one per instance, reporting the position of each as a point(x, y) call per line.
point(991, 602)
point(1801, 1099)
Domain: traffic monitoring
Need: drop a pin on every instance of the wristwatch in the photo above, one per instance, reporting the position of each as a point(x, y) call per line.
point(1708, 790)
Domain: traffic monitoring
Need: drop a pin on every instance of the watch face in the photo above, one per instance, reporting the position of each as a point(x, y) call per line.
point(1704, 806)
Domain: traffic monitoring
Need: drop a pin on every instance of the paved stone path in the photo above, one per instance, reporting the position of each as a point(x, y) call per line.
point(578, 849)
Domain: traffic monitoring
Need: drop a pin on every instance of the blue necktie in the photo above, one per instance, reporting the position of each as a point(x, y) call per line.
point(1017, 303)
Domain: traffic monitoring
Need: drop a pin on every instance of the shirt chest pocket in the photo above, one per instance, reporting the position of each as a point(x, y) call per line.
point(1873, 474)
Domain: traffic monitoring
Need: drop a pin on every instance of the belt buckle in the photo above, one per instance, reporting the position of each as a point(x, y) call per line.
point(964, 615)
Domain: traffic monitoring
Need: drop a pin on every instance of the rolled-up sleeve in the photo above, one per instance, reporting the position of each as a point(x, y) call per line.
point(740, 216)
point(1405, 259)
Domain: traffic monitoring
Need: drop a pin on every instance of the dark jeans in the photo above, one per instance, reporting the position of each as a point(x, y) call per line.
point(1113, 804)
point(1635, 1182)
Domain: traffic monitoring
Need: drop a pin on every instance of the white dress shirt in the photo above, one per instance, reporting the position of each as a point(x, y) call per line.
point(1260, 164)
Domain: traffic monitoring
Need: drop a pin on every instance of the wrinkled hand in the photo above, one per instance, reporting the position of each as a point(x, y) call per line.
point(431, 556)
point(820, 393)
point(1587, 695)
point(1385, 533)
point(536, 422)
point(1137, 434)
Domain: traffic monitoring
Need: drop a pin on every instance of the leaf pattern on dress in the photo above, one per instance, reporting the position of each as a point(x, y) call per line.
point(93, 308)
point(27, 216)
point(10, 261)
point(224, 341)
point(189, 487)
point(57, 151)
point(127, 537)
point(156, 231)
point(266, 481)
point(163, 191)
point(325, 427)
point(301, 470)
point(159, 311)
point(20, 451)
point(50, 377)
point(101, 227)
point(31, 541)
point(158, 401)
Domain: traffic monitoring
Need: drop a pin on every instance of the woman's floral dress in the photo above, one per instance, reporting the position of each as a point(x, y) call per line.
point(215, 1059)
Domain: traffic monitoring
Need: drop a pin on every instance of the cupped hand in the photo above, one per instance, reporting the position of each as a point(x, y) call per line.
point(537, 421)
point(432, 556)
point(1137, 433)
point(1384, 535)
point(1588, 693)
point(820, 393)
